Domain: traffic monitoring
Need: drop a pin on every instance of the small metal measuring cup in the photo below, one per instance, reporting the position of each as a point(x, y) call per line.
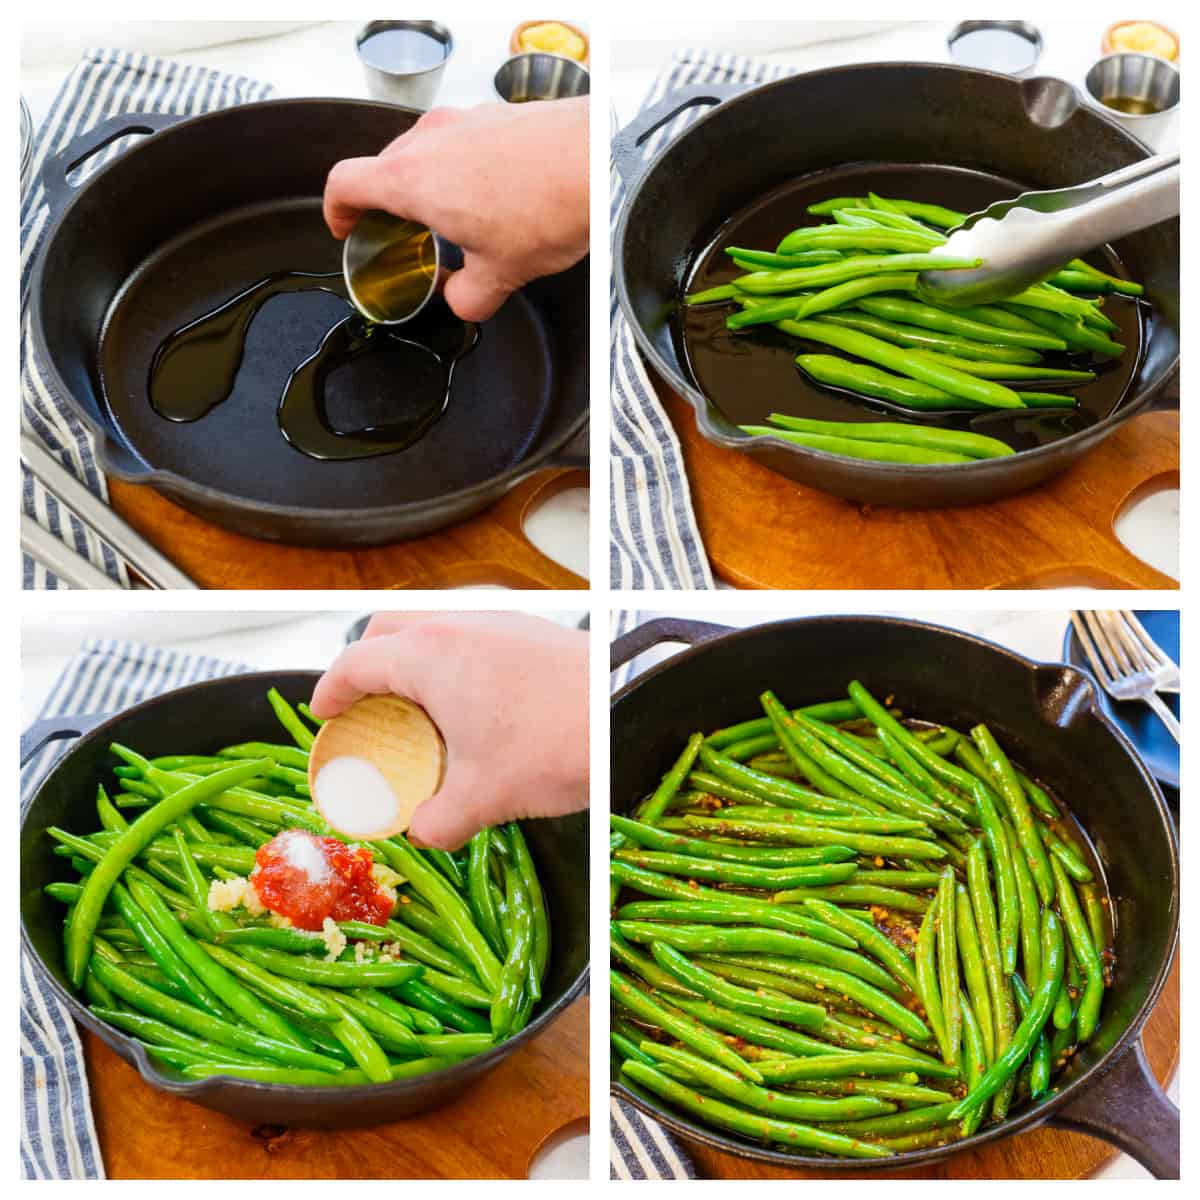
point(1135, 81)
point(390, 265)
point(541, 76)
point(415, 88)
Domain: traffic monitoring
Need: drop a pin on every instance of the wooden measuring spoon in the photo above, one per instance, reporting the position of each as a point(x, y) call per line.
point(371, 766)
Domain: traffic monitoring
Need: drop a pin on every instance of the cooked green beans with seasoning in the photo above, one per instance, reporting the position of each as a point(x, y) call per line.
point(858, 945)
point(848, 283)
point(230, 931)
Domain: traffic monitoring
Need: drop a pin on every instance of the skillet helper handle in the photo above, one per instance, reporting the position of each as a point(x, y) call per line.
point(57, 729)
point(628, 143)
point(663, 629)
point(79, 149)
point(1127, 1108)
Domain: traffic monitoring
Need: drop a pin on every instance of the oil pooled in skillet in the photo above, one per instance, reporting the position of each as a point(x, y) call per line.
point(752, 373)
point(195, 368)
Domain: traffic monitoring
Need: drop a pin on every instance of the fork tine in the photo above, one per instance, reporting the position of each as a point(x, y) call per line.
point(1092, 620)
point(1078, 619)
point(1132, 649)
point(1156, 652)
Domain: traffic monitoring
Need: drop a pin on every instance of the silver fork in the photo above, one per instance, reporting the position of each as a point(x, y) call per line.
point(1122, 661)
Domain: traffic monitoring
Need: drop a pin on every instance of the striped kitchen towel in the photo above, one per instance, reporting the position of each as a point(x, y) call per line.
point(639, 1147)
point(655, 540)
point(104, 84)
point(58, 1135)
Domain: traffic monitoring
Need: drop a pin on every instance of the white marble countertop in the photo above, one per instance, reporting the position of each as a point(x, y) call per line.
point(1036, 634)
point(642, 50)
point(301, 59)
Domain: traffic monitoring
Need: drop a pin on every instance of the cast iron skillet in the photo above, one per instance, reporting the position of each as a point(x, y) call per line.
point(1035, 131)
point(218, 713)
point(207, 206)
point(1050, 718)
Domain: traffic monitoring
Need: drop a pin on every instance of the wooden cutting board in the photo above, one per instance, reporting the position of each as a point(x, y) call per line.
point(762, 530)
point(1039, 1154)
point(492, 1131)
point(490, 548)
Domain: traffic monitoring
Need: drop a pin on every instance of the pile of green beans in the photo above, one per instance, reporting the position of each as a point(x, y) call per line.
point(457, 968)
point(850, 286)
point(836, 931)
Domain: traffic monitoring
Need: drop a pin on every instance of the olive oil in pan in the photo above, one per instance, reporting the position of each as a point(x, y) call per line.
point(752, 373)
point(195, 368)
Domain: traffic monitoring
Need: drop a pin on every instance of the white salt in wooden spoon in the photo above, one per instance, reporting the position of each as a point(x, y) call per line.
point(372, 765)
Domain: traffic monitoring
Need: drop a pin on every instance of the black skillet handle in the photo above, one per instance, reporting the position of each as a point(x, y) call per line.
point(57, 729)
point(664, 629)
point(627, 144)
point(79, 149)
point(1127, 1108)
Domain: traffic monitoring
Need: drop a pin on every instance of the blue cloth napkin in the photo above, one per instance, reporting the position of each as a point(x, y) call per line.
point(58, 1135)
point(104, 84)
point(655, 539)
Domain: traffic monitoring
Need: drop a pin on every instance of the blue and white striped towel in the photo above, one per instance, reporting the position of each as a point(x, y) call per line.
point(639, 1147)
point(58, 1135)
point(655, 540)
point(104, 84)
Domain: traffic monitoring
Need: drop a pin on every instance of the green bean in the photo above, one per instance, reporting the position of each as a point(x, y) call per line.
point(283, 993)
point(772, 790)
point(288, 718)
point(628, 1048)
point(932, 214)
point(927, 980)
point(540, 955)
point(332, 974)
point(835, 1066)
point(1039, 1056)
point(982, 371)
point(127, 846)
point(765, 258)
point(839, 237)
point(162, 951)
point(479, 894)
point(915, 337)
point(1018, 810)
point(947, 959)
point(857, 448)
point(972, 445)
point(871, 940)
point(912, 312)
point(110, 817)
point(1097, 919)
point(752, 823)
point(1029, 907)
point(1075, 333)
point(914, 1121)
point(1070, 858)
point(853, 893)
point(762, 911)
point(159, 1033)
point(287, 756)
point(448, 904)
point(974, 974)
point(214, 976)
point(975, 1062)
point(515, 972)
point(780, 1104)
point(829, 711)
point(772, 283)
point(749, 1033)
point(712, 295)
point(843, 294)
point(738, 874)
point(740, 1121)
point(1000, 994)
point(1088, 1013)
point(704, 939)
point(1004, 1069)
point(657, 839)
point(293, 1077)
point(679, 1025)
point(1008, 906)
point(367, 1053)
point(204, 1025)
point(756, 1003)
point(420, 996)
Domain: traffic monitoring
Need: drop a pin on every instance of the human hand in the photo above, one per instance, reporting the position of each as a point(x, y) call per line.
point(508, 692)
point(507, 183)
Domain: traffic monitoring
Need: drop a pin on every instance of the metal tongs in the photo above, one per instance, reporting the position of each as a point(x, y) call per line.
point(1026, 240)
